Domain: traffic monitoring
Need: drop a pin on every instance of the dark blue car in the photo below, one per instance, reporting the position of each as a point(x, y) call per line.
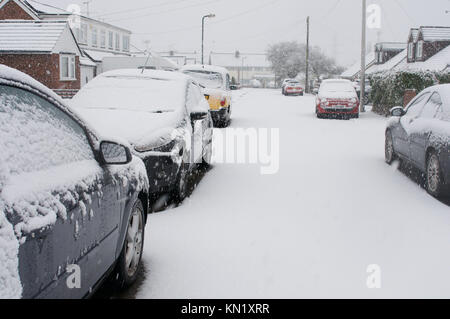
point(420, 135)
point(72, 207)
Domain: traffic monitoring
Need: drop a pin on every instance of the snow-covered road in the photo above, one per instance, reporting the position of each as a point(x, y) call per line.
point(311, 230)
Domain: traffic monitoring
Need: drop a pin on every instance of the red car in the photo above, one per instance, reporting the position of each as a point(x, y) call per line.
point(293, 88)
point(337, 98)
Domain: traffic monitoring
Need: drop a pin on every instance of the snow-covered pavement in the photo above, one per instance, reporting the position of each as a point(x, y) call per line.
point(311, 230)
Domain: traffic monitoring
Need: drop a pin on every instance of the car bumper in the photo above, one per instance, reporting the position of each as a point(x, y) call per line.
point(219, 115)
point(294, 91)
point(338, 111)
point(162, 171)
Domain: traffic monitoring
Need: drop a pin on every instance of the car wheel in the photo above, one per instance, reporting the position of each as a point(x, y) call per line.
point(129, 262)
point(389, 148)
point(181, 186)
point(434, 175)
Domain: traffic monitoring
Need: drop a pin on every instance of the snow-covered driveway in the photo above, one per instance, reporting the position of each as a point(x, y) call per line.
point(311, 230)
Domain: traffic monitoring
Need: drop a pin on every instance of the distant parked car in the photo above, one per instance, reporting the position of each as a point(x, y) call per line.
point(368, 90)
point(337, 98)
point(216, 82)
point(71, 204)
point(420, 135)
point(163, 115)
point(292, 87)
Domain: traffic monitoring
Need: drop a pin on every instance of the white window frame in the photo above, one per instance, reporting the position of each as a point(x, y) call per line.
point(126, 43)
point(102, 39)
point(117, 41)
point(410, 50)
point(419, 52)
point(94, 35)
point(83, 33)
point(110, 40)
point(71, 67)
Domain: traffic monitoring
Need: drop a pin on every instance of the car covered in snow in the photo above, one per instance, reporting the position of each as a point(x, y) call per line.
point(216, 83)
point(292, 87)
point(420, 135)
point(337, 98)
point(72, 204)
point(162, 114)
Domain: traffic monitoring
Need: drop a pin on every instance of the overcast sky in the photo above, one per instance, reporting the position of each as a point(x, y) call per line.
point(251, 25)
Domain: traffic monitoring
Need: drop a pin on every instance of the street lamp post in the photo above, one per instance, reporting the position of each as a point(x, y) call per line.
point(211, 15)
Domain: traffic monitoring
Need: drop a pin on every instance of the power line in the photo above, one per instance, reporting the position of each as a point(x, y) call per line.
point(162, 4)
point(194, 27)
point(166, 11)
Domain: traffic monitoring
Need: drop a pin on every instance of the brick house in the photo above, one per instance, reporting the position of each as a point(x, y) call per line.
point(425, 42)
point(45, 50)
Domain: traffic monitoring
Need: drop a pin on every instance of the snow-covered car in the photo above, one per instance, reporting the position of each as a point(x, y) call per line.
point(73, 206)
point(420, 135)
point(337, 98)
point(163, 115)
point(292, 87)
point(367, 89)
point(216, 83)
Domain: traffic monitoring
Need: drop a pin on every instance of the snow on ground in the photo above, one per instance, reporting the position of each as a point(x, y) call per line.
point(311, 230)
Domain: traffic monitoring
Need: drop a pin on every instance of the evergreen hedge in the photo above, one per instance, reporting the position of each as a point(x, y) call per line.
point(388, 88)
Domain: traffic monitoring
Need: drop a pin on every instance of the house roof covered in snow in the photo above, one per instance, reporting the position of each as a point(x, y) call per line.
point(435, 33)
point(388, 65)
point(354, 70)
point(246, 59)
point(439, 62)
point(31, 36)
point(390, 46)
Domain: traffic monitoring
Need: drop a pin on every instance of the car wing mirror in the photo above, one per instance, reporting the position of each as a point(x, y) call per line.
point(197, 116)
point(207, 96)
point(114, 154)
point(398, 111)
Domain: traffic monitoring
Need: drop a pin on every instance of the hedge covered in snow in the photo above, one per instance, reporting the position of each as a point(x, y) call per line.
point(388, 88)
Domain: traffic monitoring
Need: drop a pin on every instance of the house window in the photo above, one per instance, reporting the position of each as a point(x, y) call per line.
point(83, 33)
point(94, 37)
point(410, 50)
point(117, 42)
point(67, 67)
point(103, 39)
point(420, 49)
point(110, 40)
point(126, 43)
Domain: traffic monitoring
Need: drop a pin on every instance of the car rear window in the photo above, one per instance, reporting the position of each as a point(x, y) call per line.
point(336, 87)
point(212, 80)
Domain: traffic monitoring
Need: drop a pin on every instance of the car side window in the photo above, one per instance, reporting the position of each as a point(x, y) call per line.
point(36, 135)
point(228, 82)
point(416, 107)
point(432, 107)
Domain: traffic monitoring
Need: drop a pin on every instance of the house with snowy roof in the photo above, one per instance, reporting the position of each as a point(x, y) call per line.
point(428, 50)
point(245, 67)
point(46, 50)
point(353, 72)
point(96, 39)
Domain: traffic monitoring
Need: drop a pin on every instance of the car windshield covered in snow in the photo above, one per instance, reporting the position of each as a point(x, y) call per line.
point(133, 93)
point(336, 86)
point(208, 79)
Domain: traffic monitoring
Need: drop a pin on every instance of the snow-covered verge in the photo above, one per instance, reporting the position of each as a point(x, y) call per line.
point(313, 229)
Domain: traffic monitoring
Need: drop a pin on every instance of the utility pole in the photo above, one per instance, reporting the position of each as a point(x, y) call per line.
point(363, 58)
point(211, 15)
point(307, 56)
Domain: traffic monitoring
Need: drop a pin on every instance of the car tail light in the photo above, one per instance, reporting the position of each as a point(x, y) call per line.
point(223, 102)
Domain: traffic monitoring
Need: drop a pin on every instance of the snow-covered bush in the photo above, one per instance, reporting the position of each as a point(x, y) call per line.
point(388, 88)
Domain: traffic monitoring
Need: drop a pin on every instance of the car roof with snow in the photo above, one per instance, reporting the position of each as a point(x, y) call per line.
point(443, 90)
point(10, 74)
point(209, 68)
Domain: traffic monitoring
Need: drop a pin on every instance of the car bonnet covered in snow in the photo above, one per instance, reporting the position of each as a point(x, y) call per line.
point(43, 163)
point(141, 107)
